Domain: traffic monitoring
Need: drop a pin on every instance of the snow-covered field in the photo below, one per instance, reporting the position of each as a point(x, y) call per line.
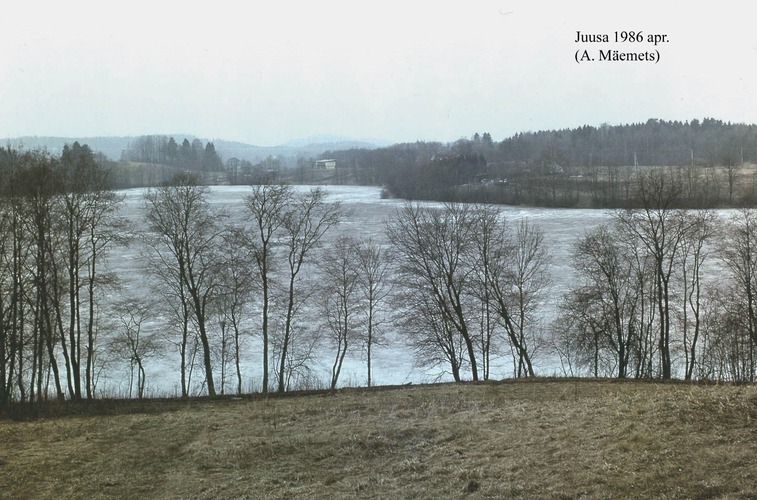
point(367, 213)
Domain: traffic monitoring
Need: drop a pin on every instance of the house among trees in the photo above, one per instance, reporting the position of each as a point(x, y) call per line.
point(325, 164)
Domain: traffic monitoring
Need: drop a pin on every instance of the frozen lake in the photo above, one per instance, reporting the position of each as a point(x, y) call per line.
point(392, 363)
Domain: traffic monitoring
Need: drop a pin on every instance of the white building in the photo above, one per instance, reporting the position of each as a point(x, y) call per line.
point(325, 165)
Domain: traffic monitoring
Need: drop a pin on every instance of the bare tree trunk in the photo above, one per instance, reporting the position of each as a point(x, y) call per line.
point(287, 335)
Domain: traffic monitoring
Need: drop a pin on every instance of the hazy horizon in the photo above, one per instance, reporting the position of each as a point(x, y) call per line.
point(391, 72)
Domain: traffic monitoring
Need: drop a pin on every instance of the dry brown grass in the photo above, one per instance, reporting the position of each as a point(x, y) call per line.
point(538, 439)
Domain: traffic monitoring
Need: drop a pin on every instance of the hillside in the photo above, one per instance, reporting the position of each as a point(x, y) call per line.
point(587, 166)
point(113, 147)
point(529, 439)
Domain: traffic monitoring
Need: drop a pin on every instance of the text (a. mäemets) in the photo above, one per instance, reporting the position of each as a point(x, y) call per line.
point(639, 41)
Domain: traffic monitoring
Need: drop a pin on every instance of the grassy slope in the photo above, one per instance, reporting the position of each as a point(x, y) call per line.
point(540, 439)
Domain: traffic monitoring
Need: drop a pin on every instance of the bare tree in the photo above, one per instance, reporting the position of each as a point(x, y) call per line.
point(236, 286)
point(738, 251)
point(303, 340)
point(186, 233)
point(660, 229)
point(340, 299)
point(178, 312)
point(435, 261)
point(8, 296)
point(489, 229)
point(728, 349)
point(732, 166)
point(305, 220)
point(374, 269)
point(605, 304)
point(641, 273)
point(131, 343)
point(88, 217)
point(465, 262)
point(266, 207)
point(579, 335)
point(15, 252)
point(434, 340)
point(530, 281)
point(516, 278)
point(693, 255)
point(40, 184)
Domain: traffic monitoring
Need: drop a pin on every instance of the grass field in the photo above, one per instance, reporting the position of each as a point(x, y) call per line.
point(531, 439)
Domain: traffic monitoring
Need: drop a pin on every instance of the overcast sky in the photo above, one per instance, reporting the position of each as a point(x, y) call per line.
point(396, 71)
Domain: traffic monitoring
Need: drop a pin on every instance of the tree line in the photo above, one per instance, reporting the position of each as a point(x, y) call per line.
point(164, 150)
point(583, 167)
point(659, 291)
point(652, 143)
point(587, 166)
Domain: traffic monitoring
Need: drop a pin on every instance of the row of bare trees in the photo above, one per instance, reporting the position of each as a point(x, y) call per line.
point(57, 222)
point(662, 292)
point(65, 323)
point(464, 285)
point(211, 273)
point(357, 281)
point(659, 291)
point(470, 286)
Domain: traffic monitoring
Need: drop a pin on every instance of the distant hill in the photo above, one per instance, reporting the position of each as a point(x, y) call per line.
point(334, 142)
point(109, 146)
point(113, 146)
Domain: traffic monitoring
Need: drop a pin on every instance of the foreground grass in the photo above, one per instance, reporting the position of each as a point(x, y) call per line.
point(537, 439)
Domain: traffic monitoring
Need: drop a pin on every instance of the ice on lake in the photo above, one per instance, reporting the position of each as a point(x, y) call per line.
point(366, 217)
